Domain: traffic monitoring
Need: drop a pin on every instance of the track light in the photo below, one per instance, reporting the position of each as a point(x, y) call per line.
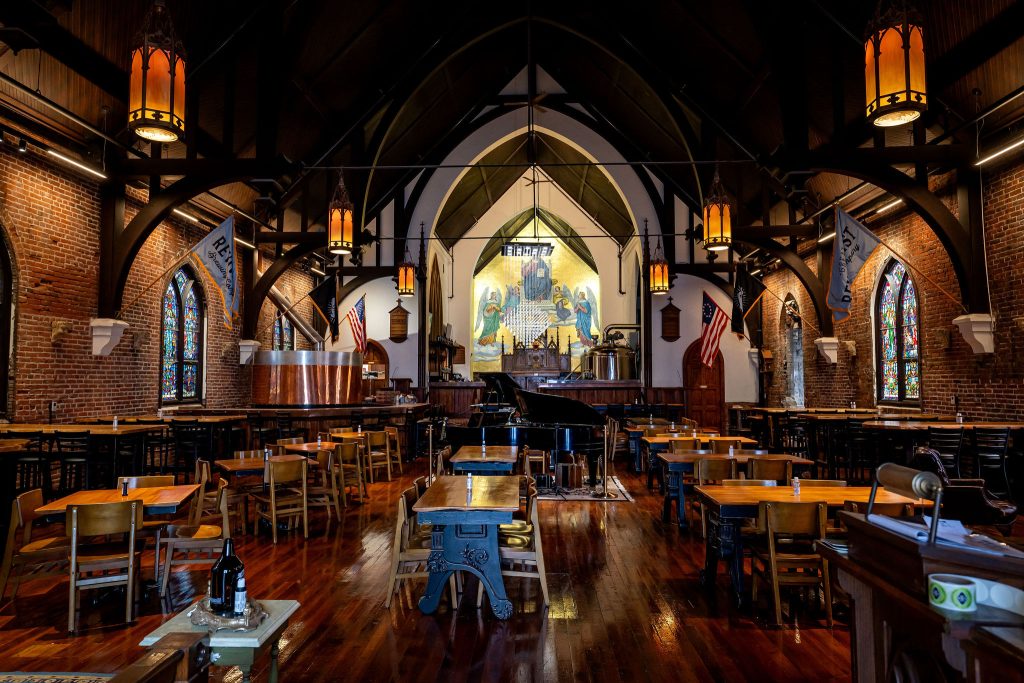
point(887, 207)
point(186, 216)
point(22, 145)
point(1010, 147)
point(826, 238)
point(317, 271)
point(239, 240)
point(76, 164)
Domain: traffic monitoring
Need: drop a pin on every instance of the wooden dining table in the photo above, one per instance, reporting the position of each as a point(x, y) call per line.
point(12, 445)
point(493, 460)
point(728, 506)
point(678, 465)
point(246, 467)
point(103, 430)
point(312, 447)
point(156, 500)
point(465, 534)
point(650, 446)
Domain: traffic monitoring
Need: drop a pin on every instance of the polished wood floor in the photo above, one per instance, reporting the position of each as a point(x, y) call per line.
point(625, 606)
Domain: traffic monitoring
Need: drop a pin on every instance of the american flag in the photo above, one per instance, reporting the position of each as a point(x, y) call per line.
point(357, 321)
point(712, 324)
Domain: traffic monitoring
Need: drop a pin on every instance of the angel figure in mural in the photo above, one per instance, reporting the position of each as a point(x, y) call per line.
point(536, 279)
point(562, 298)
point(512, 297)
point(488, 317)
point(586, 316)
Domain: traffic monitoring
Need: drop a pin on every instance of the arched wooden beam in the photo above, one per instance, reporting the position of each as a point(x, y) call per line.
point(815, 287)
point(950, 231)
point(254, 297)
point(354, 284)
point(128, 242)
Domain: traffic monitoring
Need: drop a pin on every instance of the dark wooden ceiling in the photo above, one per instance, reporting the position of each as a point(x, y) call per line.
point(396, 83)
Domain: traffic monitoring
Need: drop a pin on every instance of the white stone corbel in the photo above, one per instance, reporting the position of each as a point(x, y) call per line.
point(247, 348)
point(978, 330)
point(106, 332)
point(755, 356)
point(829, 348)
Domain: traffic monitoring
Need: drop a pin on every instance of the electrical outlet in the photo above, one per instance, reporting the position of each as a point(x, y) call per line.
point(53, 406)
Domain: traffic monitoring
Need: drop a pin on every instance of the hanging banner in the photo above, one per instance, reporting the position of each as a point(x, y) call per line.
point(854, 244)
point(215, 256)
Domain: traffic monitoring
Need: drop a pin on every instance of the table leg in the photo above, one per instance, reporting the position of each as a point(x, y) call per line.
point(469, 548)
point(274, 651)
point(246, 671)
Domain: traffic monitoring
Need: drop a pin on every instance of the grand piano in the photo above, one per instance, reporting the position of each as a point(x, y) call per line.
point(547, 422)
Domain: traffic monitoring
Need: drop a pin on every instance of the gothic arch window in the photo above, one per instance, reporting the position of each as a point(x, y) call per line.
point(284, 334)
point(897, 328)
point(6, 302)
point(181, 339)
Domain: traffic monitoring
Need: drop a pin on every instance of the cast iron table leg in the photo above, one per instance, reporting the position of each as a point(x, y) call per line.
point(469, 548)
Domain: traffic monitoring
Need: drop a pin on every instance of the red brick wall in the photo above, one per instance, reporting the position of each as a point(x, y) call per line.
point(50, 221)
point(294, 284)
point(988, 386)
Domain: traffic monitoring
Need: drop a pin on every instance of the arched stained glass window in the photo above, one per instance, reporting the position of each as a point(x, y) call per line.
point(284, 336)
point(897, 346)
point(182, 339)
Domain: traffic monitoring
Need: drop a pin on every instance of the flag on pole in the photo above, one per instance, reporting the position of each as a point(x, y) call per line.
point(746, 292)
point(215, 256)
point(853, 245)
point(325, 299)
point(357, 321)
point(712, 325)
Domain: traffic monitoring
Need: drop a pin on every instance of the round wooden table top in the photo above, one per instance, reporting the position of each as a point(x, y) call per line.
point(12, 445)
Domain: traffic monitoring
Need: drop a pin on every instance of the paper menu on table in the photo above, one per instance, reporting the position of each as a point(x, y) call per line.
point(951, 533)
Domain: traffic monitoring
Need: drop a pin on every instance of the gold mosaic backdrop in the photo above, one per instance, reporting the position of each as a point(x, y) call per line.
point(559, 292)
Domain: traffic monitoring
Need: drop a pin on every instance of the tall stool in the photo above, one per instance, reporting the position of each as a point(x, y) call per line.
point(73, 453)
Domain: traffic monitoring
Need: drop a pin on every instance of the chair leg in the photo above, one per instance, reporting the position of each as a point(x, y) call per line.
point(827, 586)
point(129, 590)
point(273, 523)
point(166, 576)
point(776, 597)
point(72, 602)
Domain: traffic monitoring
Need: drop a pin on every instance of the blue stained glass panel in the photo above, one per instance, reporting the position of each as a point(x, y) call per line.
point(170, 344)
point(188, 381)
point(289, 336)
point(277, 335)
point(191, 336)
point(909, 309)
point(887, 307)
point(169, 380)
point(180, 278)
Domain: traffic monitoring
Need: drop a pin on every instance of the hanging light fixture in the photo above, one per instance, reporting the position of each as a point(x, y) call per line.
point(894, 76)
point(339, 221)
point(156, 92)
point(717, 218)
point(407, 275)
point(659, 269)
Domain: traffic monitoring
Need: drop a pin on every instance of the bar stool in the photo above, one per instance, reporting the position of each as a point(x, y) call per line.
point(32, 468)
point(73, 453)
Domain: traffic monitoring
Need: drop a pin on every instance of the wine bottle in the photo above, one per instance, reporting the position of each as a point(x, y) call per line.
point(224, 580)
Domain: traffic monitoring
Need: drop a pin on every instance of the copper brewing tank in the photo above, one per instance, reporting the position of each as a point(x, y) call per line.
point(307, 378)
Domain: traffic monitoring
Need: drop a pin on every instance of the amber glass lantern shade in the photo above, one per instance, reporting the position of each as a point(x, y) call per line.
point(339, 221)
point(406, 277)
point(659, 273)
point(894, 77)
point(156, 91)
point(717, 218)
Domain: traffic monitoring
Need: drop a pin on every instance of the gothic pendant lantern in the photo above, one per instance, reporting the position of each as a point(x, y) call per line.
point(894, 76)
point(717, 218)
point(156, 94)
point(407, 276)
point(659, 272)
point(339, 221)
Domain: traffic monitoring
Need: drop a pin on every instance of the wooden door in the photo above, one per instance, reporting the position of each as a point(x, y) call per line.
point(704, 388)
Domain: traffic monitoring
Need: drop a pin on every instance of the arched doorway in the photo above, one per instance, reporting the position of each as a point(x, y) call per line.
point(704, 388)
point(375, 361)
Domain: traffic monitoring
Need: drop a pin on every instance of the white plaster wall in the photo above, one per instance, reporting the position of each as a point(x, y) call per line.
point(686, 293)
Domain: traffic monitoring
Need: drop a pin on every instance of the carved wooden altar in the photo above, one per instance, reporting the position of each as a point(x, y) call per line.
point(542, 358)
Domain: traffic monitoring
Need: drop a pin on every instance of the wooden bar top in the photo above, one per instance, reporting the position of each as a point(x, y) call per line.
point(306, 413)
point(95, 430)
point(852, 415)
point(312, 447)
point(499, 493)
point(167, 419)
point(921, 426)
point(156, 496)
point(12, 445)
point(833, 496)
point(494, 454)
point(694, 457)
point(235, 465)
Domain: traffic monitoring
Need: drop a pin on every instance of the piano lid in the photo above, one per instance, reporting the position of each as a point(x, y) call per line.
point(556, 410)
point(501, 386)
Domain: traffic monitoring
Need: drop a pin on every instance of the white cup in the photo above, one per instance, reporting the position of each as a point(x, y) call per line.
point(953, 592)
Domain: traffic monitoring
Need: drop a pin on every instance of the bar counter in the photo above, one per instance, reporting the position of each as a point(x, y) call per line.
point(595, 391)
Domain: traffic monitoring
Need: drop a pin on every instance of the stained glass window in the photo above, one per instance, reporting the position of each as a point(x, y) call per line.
point(181, 339)
point(899, 353)
point(284, 336)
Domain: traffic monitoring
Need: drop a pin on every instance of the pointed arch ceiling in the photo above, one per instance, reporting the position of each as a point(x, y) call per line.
point(568, 237)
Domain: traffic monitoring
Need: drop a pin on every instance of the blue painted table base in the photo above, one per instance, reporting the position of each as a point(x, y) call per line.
point(465, 542)
point(485, 468)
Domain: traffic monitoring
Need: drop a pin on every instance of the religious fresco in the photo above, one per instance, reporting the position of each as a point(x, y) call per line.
point(524, 296)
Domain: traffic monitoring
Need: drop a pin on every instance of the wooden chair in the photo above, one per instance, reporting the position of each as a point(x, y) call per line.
point(150, 528)
point(948, 443)
point(683, 444)
point(25, 559)
point(288, 441)
point(522, 556)
point(822, 482)
point(749, 482)
point(197, 543)
point(285, 497)
point(377, 453)
point(410, 550)
point(710, 471)
point(793, 562)
point(347, 461)
point(751, 452)
point(534, 460)
point(325, 494)
point(91, 564)
point(883, 509)
point(341, 430)
point(779, 469)
point(721, 446)
point(394, 446)
point(73, 451)
point(990, 448)
point(207, 501)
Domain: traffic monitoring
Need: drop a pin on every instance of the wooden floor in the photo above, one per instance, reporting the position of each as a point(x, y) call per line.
point(625, 606)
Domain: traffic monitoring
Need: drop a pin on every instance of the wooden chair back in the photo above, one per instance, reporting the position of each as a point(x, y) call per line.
point(325, 463)
point(377, 439)
point(751, 452)
point(23, 511)
point(722, 445)
point(793, 519)
point(347, 453)
point(884, 509)
point(779, 469)
point(342, 430)
point(421, 485)
point(711, 470)
point(102, 519)
point(749, 482)
point(290, 441)
point(700, 451)
point(286, 472)
point(239, 455)
point(822, 482)
point(148, 481)
point(683, 444)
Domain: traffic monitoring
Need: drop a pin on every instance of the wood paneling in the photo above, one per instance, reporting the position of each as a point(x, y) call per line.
point(705, 388)
point(455, 398)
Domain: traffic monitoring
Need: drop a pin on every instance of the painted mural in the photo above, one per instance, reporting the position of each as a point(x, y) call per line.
point(523, 297)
